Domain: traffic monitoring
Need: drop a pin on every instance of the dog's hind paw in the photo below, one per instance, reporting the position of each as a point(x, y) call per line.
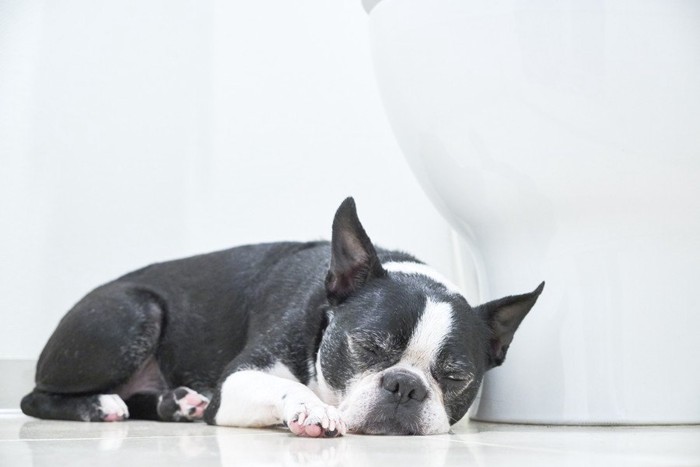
point(182, 405)
point(111, 408)
point(315, 421)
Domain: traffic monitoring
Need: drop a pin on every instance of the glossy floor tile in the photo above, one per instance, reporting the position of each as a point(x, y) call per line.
point(29, 442)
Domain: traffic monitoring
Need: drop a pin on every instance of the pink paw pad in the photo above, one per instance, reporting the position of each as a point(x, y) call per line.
point(193, 405)
point(182, 405)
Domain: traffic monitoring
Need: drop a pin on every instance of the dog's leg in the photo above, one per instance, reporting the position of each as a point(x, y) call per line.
point(97, 348)
point(252, 398)
point(94, 408)
point(176, 405)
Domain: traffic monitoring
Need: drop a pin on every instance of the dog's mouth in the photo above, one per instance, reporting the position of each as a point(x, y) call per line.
point(383, 432)
point(392, 428)
point(380, 421)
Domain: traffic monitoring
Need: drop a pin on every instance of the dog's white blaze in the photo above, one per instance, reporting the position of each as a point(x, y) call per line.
point(408, 267)
point(429, 335)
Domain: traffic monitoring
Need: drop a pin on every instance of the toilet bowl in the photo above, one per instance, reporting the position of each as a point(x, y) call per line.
point(561, 140)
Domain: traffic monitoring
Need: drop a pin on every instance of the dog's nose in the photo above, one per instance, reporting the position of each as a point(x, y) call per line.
point(404, 386)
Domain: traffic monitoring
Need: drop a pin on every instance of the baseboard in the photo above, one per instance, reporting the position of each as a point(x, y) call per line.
point(17, 381)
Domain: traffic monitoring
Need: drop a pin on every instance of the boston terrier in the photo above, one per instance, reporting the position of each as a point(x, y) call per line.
point(322, 337)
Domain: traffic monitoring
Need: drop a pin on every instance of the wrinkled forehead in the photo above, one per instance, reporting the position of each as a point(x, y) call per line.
point(413, 306)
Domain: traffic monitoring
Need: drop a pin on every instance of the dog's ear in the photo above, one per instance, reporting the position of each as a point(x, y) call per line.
point(354, 260)
point(503, 317)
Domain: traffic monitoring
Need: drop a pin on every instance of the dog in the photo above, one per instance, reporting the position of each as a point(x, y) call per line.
point(323, 337)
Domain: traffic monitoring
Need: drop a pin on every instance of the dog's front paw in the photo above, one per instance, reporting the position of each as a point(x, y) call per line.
point(182, 405)
point(315, 420)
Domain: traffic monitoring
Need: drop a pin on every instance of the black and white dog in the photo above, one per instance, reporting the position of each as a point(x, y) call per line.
point(323, 337)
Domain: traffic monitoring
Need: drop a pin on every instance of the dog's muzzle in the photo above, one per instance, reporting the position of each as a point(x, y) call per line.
point(399, 408)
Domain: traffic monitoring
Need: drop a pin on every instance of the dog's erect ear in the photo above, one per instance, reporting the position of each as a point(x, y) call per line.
point(353, 257)
point(504, 316)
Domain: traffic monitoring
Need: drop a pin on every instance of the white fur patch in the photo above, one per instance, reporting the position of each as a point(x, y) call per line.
point(113, 406)
point(408, 267)
point(254, 397)
point(257, 398)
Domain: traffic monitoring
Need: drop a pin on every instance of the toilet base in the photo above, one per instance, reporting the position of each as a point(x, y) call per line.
point(612, 341)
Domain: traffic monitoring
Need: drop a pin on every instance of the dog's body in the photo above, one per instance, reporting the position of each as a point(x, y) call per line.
point(382, 345)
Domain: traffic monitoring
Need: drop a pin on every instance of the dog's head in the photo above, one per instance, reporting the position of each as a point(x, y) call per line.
point(403, 352)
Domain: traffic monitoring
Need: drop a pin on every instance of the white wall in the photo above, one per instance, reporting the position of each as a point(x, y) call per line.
point(139, 131)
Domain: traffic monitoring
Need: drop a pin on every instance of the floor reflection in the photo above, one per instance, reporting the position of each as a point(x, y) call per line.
point(351, 450)
point(39, 443)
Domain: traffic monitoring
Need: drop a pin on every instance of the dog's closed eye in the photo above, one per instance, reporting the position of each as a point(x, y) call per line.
point(369, 345)
point(454, 375)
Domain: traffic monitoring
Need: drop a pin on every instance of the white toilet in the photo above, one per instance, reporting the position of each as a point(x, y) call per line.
point(561, 139)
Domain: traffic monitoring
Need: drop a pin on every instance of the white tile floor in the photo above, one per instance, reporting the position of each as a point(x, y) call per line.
point(29, 442)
